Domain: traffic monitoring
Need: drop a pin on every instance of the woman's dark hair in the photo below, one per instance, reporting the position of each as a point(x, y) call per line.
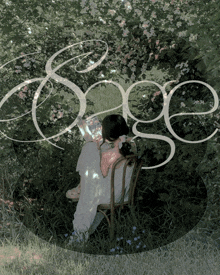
point(114, 126)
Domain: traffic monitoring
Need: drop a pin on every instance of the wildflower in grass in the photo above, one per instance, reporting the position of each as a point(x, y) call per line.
point(135, 239)
point(118, 239)
point(144, 246)
point(65, 235)
point(137, 246)
point(118, 247)
point(128, 241)
point(112, 250)
point(143, 231)
point(134, 227)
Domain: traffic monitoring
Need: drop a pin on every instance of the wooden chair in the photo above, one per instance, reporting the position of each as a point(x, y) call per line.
point(137, 164)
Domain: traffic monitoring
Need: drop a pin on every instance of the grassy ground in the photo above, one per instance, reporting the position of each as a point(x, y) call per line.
point(137, 249)
point(35, 256)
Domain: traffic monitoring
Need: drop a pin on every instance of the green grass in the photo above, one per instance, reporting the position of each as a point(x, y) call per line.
point(35, 256)
point(138, 248)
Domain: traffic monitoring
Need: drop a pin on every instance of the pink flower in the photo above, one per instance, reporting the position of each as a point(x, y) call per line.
point(152, 99)
point(125, 33)
point(118, 49)
point(157, 42)
point(162, 49)
point(122, 23)
point(157, 93)
point(124, 70)
point(21, 95)
point(112, 12)
point(25, 88)
point(156, 56)
point(60, 114)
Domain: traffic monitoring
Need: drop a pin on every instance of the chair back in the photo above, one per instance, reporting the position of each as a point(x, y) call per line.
point(136, 164)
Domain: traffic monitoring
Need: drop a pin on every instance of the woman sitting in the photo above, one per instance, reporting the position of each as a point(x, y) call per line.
point(95, 165)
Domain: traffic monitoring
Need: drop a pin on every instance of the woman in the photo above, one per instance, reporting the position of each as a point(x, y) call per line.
point(94, 165)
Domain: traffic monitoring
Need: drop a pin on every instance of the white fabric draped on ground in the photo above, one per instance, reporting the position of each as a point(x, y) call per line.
point(95, 189)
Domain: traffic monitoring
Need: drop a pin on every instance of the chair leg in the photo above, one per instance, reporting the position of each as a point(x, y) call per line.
point(112, 229)
point(119, 214)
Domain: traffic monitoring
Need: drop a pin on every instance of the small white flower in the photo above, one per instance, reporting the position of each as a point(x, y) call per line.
point(183, 104)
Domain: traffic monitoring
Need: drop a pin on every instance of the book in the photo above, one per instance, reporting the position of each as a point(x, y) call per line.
point(91, 129)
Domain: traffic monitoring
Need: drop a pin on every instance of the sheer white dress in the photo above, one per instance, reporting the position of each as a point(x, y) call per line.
point(95, 188)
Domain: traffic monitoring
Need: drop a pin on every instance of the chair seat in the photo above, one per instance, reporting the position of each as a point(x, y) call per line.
point(108, 206)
